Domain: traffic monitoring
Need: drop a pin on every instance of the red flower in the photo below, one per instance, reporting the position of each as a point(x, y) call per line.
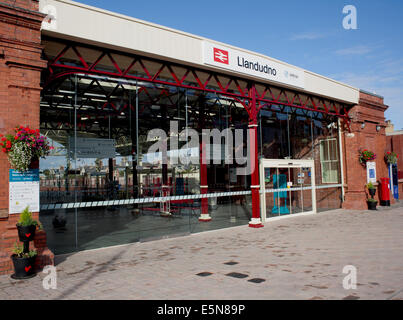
point(3, 139)
point(4, 150)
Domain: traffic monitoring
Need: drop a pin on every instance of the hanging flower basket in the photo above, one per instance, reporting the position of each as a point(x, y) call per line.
point(391, 157)
point(366, 155)
point(24, 148)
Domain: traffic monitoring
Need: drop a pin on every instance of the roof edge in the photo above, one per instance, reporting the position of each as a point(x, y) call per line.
point(129, 18)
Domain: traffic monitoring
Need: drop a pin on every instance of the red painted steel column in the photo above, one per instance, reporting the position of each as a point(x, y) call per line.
point(253, 153)
point(204, 216)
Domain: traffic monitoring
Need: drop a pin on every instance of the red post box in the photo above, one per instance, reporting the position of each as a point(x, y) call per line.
point(384, 192)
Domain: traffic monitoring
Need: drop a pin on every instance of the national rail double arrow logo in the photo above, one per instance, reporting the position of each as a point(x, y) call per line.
point(221, 56)
point(27, 235)
point(27, 268)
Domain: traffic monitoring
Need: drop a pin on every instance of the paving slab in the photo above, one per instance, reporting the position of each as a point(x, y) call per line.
point(301, 257)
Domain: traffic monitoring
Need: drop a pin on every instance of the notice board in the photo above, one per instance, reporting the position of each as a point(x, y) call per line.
point(23, 191)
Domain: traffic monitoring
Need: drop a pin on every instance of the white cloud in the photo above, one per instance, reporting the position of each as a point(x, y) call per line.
point(356, 50)
point(383, 84)
point(307, 36)
point(392, 66)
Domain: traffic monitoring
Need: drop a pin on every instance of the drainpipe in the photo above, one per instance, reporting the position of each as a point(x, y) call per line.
point(341, 162)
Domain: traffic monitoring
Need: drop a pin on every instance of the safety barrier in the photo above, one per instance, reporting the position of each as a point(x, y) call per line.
point(73, 205)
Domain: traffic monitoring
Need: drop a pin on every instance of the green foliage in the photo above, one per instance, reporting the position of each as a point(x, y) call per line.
point(371, 200)
point(24, 146)
point(391, 157)
point(26, 219)
point(370, 186)
point(366, 155)
point(19, 251)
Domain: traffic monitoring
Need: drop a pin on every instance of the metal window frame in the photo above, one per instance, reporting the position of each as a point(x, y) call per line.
point(285, 163)
point(328, 161)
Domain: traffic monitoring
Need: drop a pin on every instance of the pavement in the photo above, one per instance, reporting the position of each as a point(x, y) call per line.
point(301, 257)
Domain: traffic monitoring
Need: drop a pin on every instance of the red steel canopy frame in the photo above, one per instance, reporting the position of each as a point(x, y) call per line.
point(74, 58)
point(168, 73)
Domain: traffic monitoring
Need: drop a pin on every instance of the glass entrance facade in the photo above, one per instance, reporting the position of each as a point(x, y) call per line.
point(298, 134)
point(105, 184)
point(102, 163)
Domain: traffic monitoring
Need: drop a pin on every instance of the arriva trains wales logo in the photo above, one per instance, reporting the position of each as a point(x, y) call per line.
point(221, 56)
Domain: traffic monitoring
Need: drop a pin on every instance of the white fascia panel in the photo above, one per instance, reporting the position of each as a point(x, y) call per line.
point(76, 21)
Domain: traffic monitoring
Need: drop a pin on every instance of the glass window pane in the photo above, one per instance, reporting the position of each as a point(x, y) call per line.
point(333, 149)
point(328, 147)
point(325, 171)
point(335, 171)
point(322, 150)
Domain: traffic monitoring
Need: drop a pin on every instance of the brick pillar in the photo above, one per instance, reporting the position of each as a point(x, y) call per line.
point(365, 117)
point(20, 72)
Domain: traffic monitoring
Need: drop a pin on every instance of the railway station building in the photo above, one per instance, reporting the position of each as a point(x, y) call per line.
point(97, 84)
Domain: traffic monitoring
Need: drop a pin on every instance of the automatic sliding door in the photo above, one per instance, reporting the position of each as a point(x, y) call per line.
point(275, 203)
point(306, 179)
point(276, 195)
point(286, 189)
point(294, 186)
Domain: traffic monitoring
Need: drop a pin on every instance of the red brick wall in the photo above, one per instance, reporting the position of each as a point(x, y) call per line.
point(369, 111)
point(32, 5)
point(20, 71)
point(395, 144)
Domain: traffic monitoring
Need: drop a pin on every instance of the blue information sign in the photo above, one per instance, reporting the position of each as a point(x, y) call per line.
point(23, 191)
point(27, 176)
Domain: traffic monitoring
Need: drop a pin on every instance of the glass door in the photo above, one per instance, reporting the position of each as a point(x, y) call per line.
point(294, 186)
point(287, 187)
point(306, 182)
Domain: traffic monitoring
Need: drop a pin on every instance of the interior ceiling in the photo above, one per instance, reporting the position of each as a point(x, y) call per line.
point(101, 103)
point(104, 102)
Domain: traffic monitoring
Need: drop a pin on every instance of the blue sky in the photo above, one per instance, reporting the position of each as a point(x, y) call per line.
point(308, 34)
